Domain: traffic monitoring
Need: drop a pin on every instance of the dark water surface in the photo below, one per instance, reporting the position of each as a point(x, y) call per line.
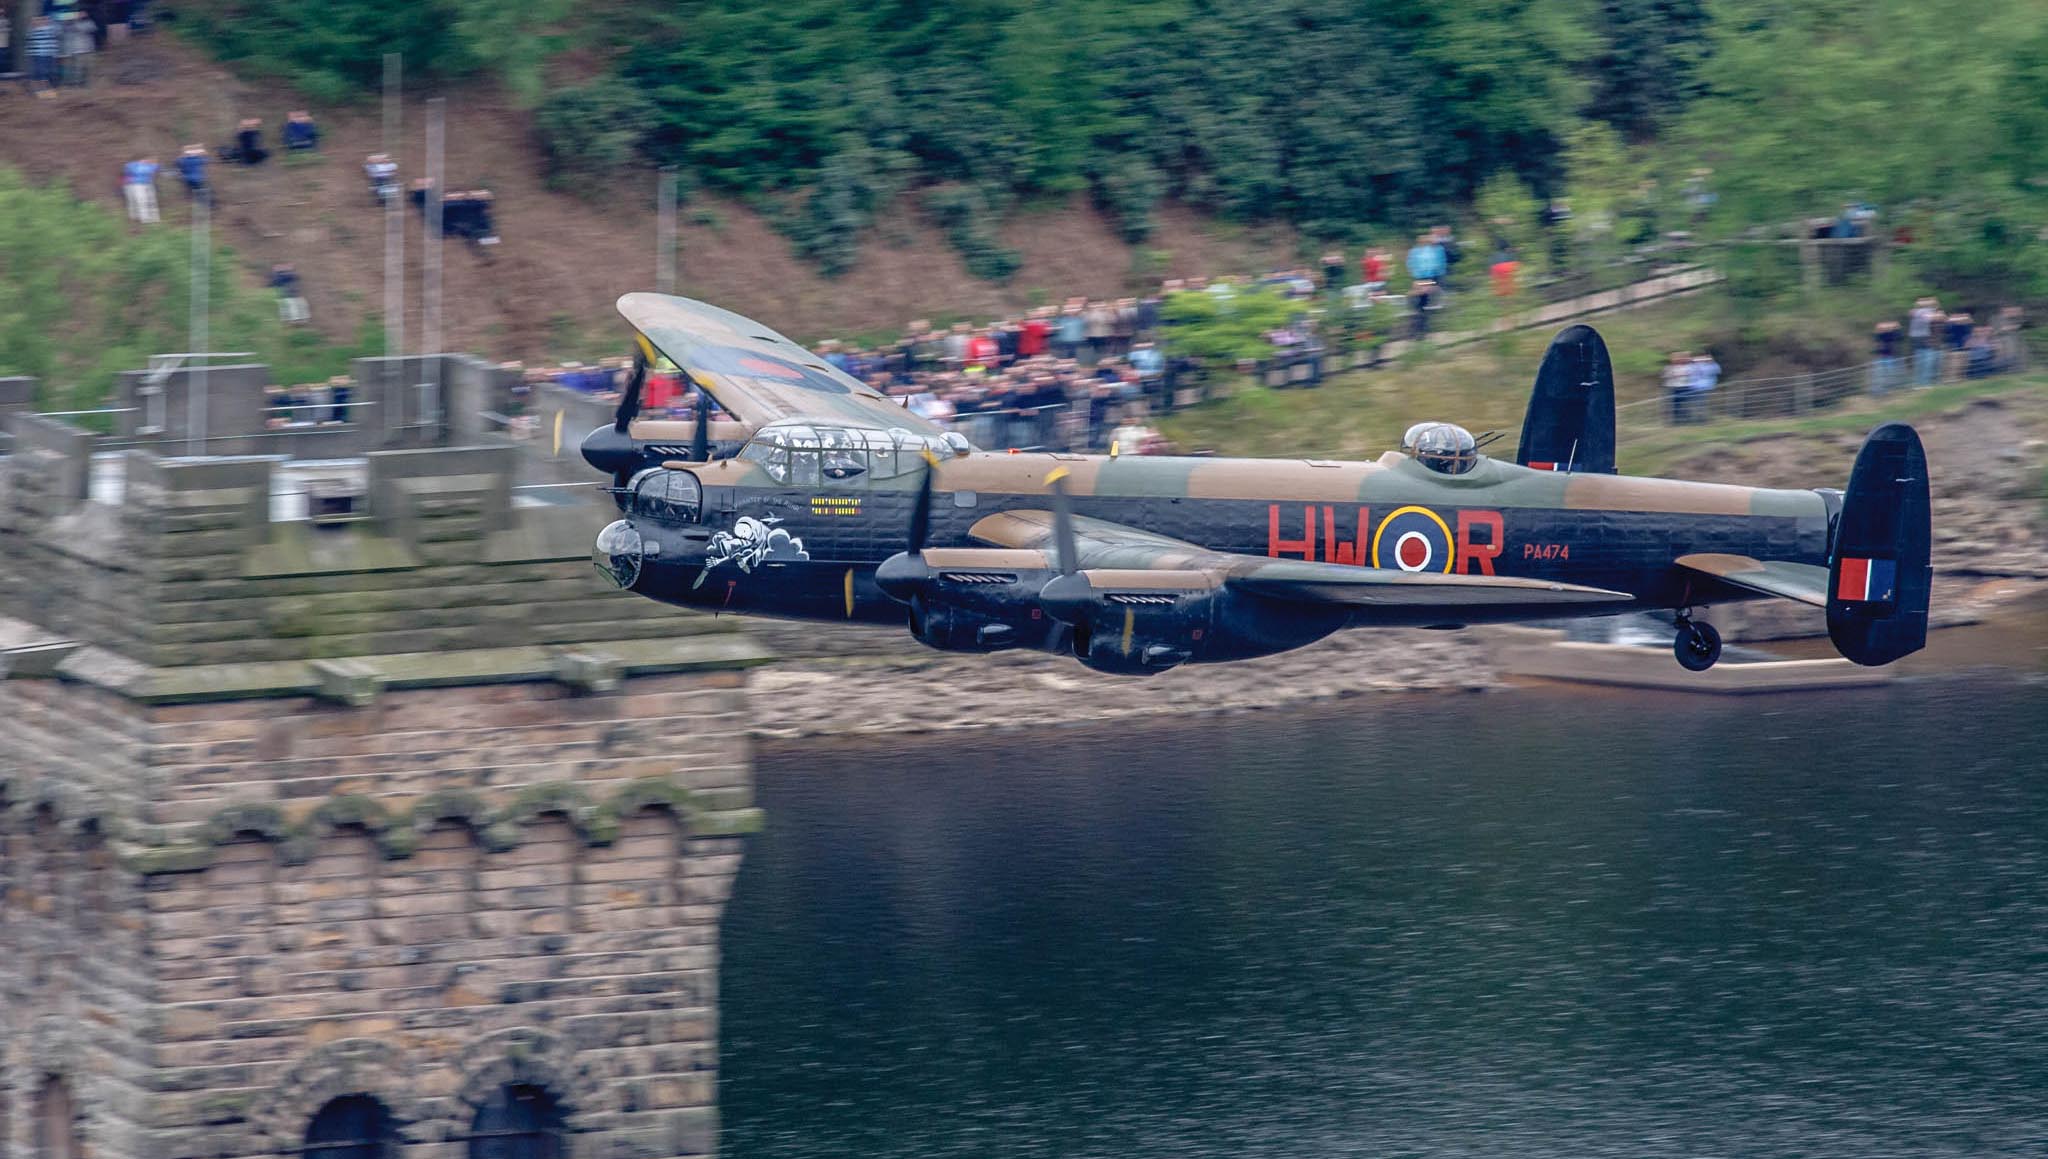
point(1538, 922)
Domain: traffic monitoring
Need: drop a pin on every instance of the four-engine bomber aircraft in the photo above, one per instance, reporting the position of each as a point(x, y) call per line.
point(821, 498)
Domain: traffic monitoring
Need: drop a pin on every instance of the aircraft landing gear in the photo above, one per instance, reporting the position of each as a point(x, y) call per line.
point(1698, 645)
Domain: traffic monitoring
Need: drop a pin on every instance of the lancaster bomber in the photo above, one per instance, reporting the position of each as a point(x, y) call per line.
point(821, 498)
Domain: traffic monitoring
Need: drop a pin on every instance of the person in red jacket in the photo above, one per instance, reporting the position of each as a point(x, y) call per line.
point(1374, 266)
point(1032, 335)
point(981, 350)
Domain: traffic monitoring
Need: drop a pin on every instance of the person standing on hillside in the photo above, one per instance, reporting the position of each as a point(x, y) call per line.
point(1884, 350)
point(291, 299)
point(78, 49)
point(382, 173)
point(248, 147)
point(1920, 331)
point(1374, 266)
point(138, 187)
point(192, 167)
point(1425, 259)
point(300, 132)
point(44, 46)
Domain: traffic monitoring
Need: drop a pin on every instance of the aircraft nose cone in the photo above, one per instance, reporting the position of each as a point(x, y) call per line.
point(618, 552)
point(902, 576)
point(1067, 598)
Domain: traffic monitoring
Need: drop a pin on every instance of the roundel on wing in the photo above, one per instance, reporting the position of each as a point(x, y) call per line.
point(1413, 539)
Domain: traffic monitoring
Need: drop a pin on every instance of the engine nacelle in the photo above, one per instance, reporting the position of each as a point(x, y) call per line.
point(952, 627)
point(1139, 624)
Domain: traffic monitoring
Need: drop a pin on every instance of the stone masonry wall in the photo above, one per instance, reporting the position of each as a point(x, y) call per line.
point(188, 569)
point(220, 916)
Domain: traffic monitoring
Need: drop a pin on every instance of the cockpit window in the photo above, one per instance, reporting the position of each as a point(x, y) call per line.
point(1443, 447)
point(808, 454)
point(666, 494)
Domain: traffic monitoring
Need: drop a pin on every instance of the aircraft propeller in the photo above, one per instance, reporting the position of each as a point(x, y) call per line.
point(612, 449)
point(921, 509)
point(700, 439)
point(1062, 522)
point(1067, 595)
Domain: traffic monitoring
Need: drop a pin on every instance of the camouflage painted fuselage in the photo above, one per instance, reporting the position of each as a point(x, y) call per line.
point(1605, 531)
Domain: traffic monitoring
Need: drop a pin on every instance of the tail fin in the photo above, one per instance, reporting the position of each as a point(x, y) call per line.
point(1570, 422)
point(1878, 576)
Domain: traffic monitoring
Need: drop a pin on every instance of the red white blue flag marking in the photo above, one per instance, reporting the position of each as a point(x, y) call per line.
point(1867, 580)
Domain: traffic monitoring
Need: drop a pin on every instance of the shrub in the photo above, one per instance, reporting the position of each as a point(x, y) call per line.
point(593, 129)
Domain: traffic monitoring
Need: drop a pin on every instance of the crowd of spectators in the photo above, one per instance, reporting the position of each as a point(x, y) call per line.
point(1945, 347)
point(1086, 374)
point(1689, 383)
point(63, 37)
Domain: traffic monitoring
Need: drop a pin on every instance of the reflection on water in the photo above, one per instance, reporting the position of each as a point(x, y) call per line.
point(1532, 923)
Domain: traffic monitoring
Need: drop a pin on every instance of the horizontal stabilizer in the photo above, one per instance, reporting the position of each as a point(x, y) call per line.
point(1805, 582)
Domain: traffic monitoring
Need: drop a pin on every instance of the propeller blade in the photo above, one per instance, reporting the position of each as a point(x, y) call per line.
point(1062, 522)
point(700, 439)
point(629, 402)
point(921, 510)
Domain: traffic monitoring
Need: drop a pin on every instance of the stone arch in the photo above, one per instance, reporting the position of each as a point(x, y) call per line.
point(55, 1112)
point(559, 797)
point(352, 811)
point(352, 1126)
point(55, 1091)
point(348, 1066)
point(525, 1056)
point(236, 822)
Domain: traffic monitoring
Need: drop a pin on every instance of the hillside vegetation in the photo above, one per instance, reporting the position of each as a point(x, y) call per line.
point(1342, 119)
point(84, 298)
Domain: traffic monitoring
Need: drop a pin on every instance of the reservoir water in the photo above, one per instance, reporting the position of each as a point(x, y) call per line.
point(1539, 922)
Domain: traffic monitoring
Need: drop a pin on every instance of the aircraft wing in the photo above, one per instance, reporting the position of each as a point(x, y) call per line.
point(1114, 556)
point(1805, 582)
point(757, 375)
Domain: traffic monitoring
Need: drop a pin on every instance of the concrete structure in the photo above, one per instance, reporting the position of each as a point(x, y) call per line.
point(403, 830)
point(394, 403)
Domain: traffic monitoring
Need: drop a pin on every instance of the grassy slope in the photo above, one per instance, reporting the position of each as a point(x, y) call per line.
point(547, 292)
point(1485, 385)
point(87, 296)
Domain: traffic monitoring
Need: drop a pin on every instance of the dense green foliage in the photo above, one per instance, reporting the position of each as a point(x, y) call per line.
point(84, 298)
point(1349, 120)
point(334, 49)
point(1221, 329)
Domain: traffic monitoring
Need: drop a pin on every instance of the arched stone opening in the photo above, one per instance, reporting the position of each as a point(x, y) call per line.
point(56, 1121)
point(351, 1127)
point(519, 1121)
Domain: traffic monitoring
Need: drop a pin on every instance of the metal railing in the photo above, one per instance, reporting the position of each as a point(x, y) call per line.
point(1797, 395)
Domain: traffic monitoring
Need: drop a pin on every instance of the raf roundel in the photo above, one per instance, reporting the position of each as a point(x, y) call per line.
point(1413, 539)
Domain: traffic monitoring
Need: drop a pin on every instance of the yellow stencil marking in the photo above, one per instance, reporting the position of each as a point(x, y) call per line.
point(849, 593)
point(1130, 621)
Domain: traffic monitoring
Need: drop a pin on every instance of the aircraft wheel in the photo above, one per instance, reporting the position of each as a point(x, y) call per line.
point(1698, 645)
